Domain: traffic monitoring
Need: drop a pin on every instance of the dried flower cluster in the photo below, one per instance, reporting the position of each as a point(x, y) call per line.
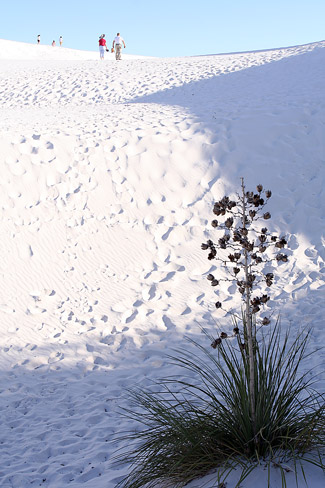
point(243, 250)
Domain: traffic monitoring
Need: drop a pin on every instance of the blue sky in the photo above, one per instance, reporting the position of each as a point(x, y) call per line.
point(169, 27)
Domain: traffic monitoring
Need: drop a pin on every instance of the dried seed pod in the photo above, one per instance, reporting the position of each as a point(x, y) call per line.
point(266, 216)
point(242, 346)
point(241, 287)
point(252, 213)
point(204, 246)
point(265, 298)
point(255, 309)
point(269, 281)
point(218, 304)
point(210, 277)
point(224, 201)
point(231, 258)
point(264, 230)
point(236, 330)
point(262, 248)
point(214, 283)
point(222, 243)
point(214, 223)
point(223, 335)
point(251, 278)
point(237, 256)
point(256, 200)
point(229, 222)
point(281, 243)
point(259, 188)
point(236, 270)
point(282, 257)
point(266, 321)
point(268, 193)
point(216, 343)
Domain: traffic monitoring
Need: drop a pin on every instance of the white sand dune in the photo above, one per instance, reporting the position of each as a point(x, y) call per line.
point(13, 50)
point(108, 174)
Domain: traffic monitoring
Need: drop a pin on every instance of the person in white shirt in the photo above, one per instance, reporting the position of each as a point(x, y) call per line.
point(61, 40)
point(38, 39)
point(117, 44)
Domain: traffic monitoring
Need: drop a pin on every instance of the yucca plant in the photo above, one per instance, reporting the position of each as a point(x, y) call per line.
point(242, 402)
point(202, 422)
point(243, 249)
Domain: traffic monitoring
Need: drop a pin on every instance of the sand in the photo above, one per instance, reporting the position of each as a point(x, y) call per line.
point(109, 171)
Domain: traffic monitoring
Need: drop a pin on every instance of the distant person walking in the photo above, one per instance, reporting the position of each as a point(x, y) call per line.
point(38, 39)
point(117, 45)
point(61, 40)
point(102, 46)
point(53, 43)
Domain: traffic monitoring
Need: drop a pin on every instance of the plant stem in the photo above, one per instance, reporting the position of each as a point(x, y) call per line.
point(249, 322)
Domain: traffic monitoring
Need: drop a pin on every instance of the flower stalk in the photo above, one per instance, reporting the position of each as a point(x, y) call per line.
point(245, 252)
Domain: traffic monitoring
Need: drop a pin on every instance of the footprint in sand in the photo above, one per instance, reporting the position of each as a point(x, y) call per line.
point(187, 311)
point(34, 310)
point(168, 276)
point(55, 357)
point(311, 253)
point(149, 293)
point(128, 316)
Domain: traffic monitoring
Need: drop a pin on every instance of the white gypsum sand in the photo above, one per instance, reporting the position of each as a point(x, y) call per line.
point(108, 175)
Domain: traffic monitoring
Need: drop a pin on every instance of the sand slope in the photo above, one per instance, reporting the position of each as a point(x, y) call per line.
point(108, 174)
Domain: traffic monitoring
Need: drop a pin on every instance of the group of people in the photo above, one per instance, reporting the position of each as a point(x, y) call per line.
point(53, 42)
point(118, 42)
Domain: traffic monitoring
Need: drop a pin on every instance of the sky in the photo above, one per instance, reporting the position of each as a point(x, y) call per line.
point(167, 28)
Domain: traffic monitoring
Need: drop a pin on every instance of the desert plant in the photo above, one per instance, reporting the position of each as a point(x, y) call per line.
point(245, 400)
point(243, 249)
point(200, 422)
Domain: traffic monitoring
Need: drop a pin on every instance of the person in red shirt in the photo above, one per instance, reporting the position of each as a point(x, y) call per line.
point(102, 46)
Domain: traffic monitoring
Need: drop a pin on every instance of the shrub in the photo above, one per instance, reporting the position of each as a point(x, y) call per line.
point(192, 426)
point(243, 401)
point(243, 250)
